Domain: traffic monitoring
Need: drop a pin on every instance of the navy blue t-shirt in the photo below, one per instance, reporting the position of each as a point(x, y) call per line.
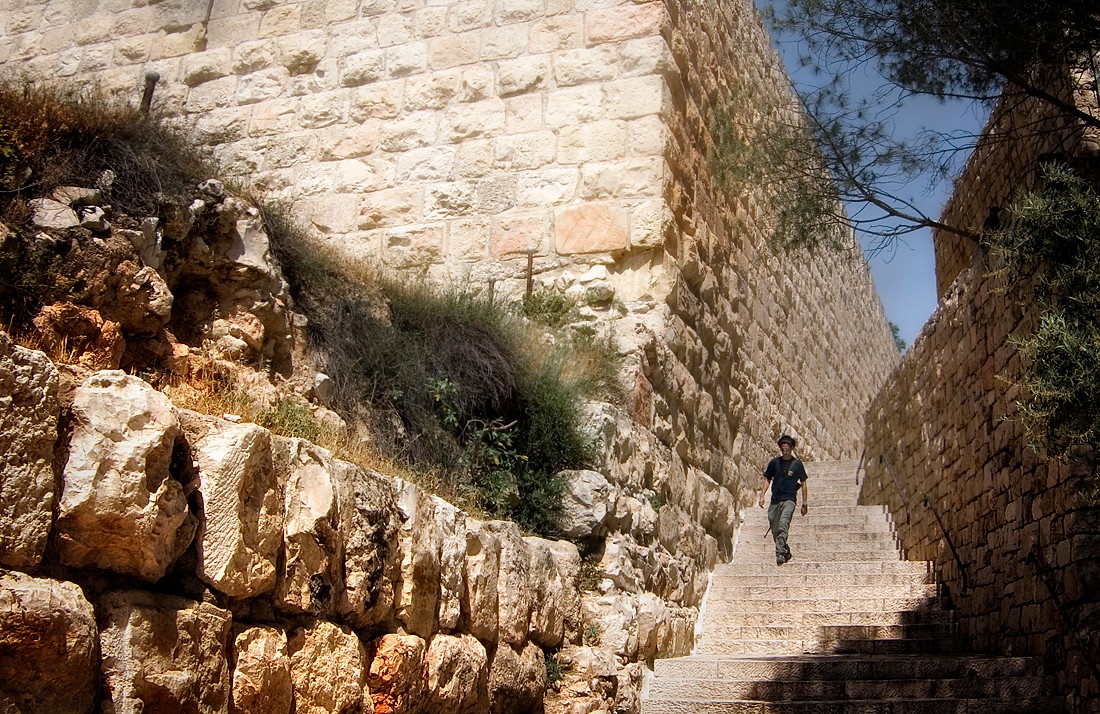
point(786, 477)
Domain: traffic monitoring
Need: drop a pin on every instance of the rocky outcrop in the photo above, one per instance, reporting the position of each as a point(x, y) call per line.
point(28, 430)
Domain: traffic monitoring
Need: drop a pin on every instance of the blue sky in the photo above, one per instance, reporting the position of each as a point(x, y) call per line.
point(905, 274)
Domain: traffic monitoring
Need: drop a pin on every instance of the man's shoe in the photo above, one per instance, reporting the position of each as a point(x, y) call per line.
point(789, 558)
point(780, 560)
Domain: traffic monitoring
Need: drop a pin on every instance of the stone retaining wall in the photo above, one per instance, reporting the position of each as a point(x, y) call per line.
point(939, 430)
point(196, 563)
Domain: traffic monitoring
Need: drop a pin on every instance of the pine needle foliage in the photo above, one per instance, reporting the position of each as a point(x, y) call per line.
point(1051, 241)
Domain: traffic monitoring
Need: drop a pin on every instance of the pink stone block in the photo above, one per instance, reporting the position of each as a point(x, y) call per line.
point(591, 228)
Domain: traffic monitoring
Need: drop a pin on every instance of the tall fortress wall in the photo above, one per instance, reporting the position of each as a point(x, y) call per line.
point(467, 140)
point(1012, 535)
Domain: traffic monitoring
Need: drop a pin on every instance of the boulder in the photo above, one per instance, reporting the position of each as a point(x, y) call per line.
point(368, 524)
point(517, 680)
point(456, 671)
point(514, 595)
point(310, 574)
point(52, 215)
point(28, 431)
point(81, 331)
point(163, 653)
point(585, 504)
point(77, 196)
point(396, 675)
point(120, 507)
point(418, 588)
point(241, 532)
point(328, 665)
point(479, 606)
point(48, 646)
point(261, 672)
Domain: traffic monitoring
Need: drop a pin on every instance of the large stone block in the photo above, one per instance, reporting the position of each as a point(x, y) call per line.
point(241, 532)
point(48, 646)
point(164, 653)
point(517, 679)
point(328, 665)
point(456, 675)
point(396, 675)
point(28, 431)
point(591, 228)
point(260, 662)
point(310, 571)
point(121, 509)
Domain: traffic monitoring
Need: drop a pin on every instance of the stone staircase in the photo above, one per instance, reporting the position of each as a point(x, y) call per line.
point(846, 626)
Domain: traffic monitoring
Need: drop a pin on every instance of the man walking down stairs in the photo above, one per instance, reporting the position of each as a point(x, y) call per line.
point(846, 627)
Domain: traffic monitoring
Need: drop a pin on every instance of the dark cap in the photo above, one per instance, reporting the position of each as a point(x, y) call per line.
point(787, 439)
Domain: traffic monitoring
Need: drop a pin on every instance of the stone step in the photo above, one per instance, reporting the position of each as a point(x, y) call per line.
point(829, 633)
point(814, 618)
point(828, 604)
point(1027, 686)
point(843, 667)
point(813, 645)
point(811, 592)
point(1030, 705)
point(832, 567)
point(780, 577)
point(809, 525)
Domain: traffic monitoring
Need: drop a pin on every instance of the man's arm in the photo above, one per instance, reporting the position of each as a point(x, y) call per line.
point(805, 498)
point(764, 481)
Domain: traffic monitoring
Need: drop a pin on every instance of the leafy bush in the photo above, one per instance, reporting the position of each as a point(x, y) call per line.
point(458, 382)
point(1051, 249)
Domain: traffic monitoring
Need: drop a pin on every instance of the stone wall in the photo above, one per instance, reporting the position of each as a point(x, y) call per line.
point(756, 344)
point(467, 140)
point(196, 563)
point(941, 449)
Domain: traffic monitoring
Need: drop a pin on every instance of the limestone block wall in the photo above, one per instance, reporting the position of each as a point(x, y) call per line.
point(453, 138)
point(469, 139)
point(177, 560)
point(1018, 134)
point(756, 344)
point(938, 431)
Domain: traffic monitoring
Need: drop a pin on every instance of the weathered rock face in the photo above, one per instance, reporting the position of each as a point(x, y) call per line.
point(397, 674)
point(163, 653)
point(28, 432)
point(242, 529)
point(48, 646)
point(329, 667)
point(261, 672)
point(121, 509)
